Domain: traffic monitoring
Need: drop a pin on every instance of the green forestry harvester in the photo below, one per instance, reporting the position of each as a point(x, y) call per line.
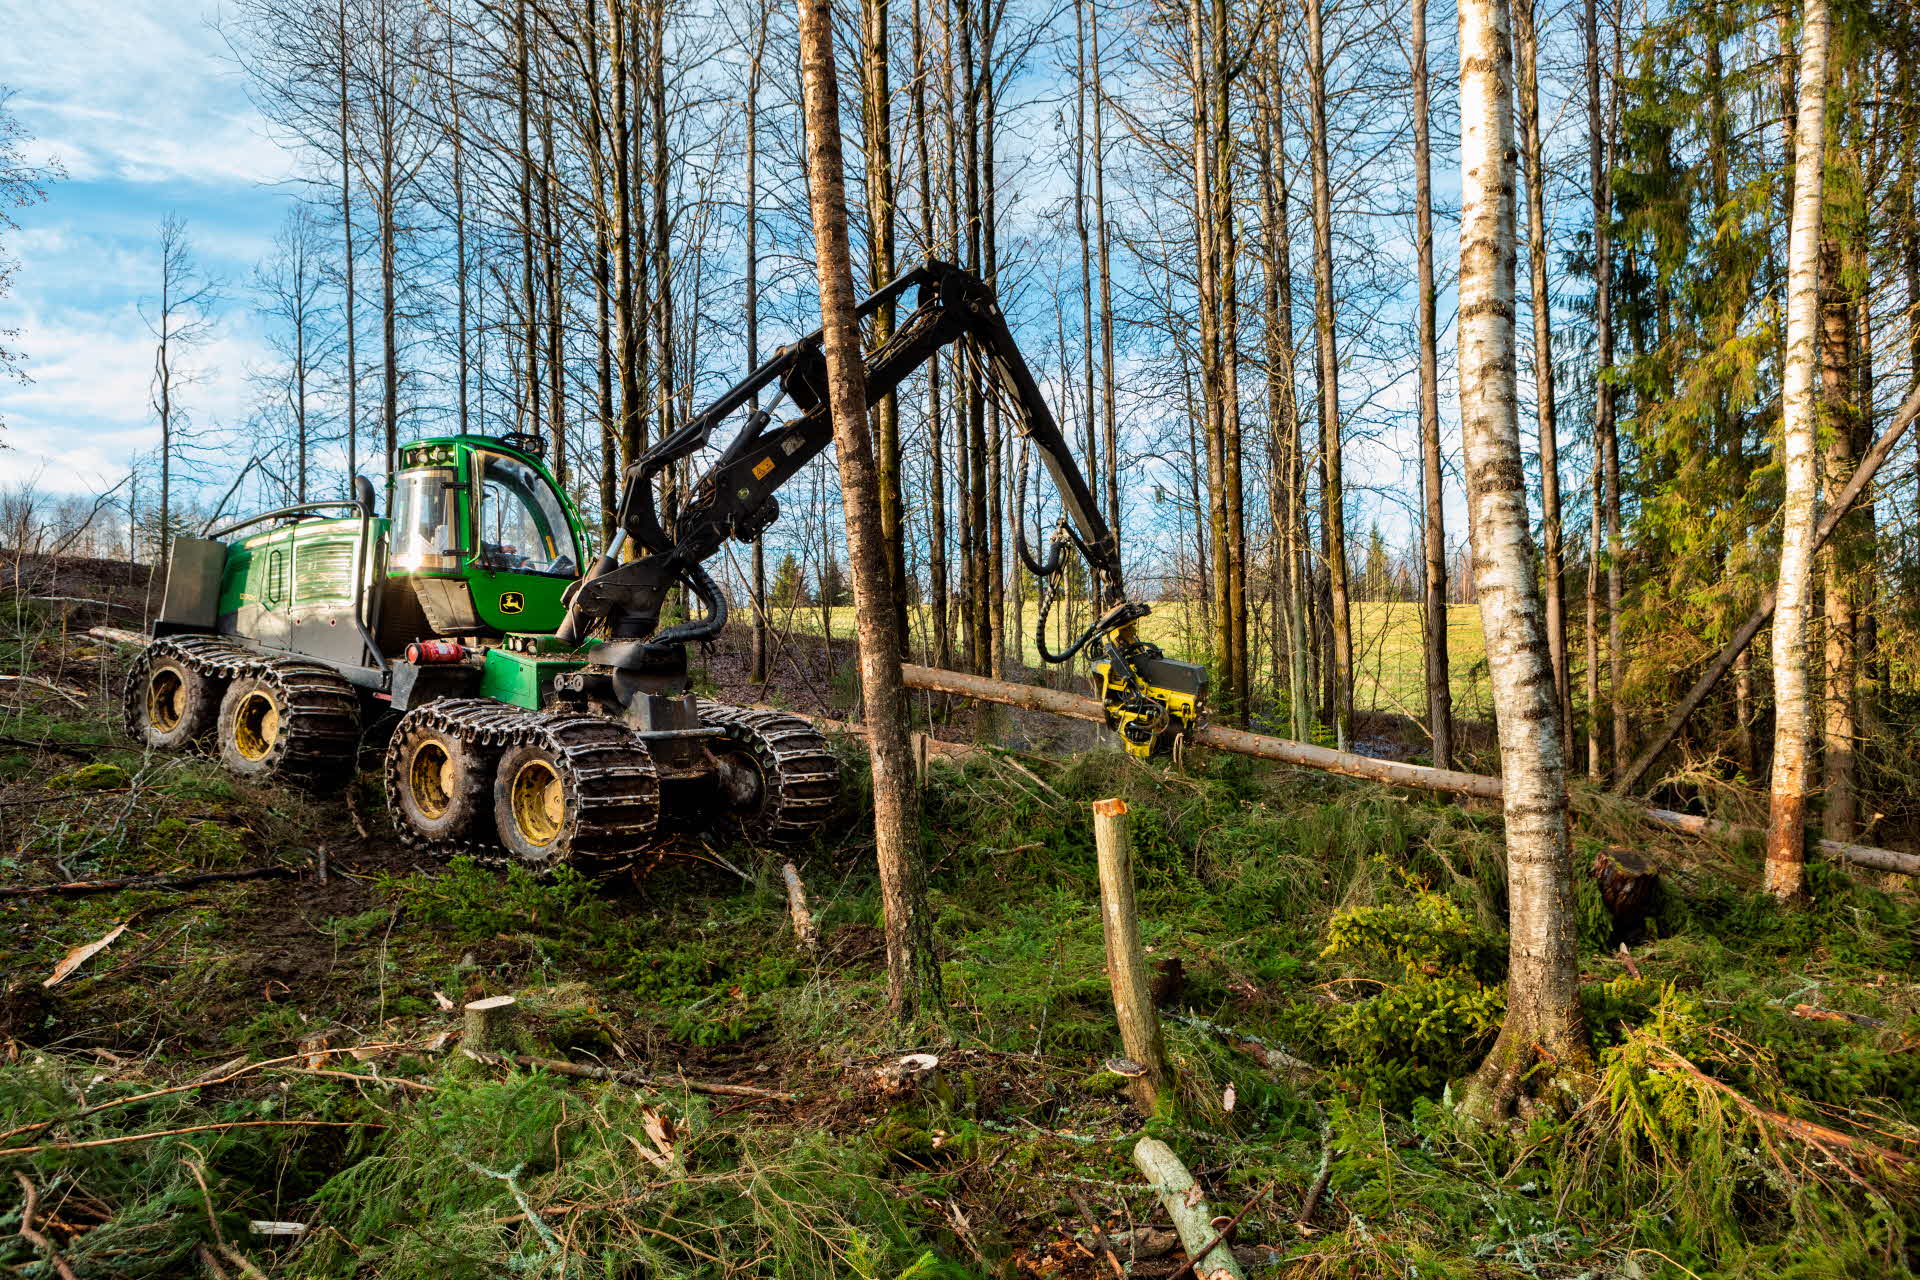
point(538, 707)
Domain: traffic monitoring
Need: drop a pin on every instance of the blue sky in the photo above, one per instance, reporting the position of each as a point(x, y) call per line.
point(140, 104)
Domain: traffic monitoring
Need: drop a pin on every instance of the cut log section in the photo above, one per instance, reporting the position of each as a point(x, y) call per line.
point(1306, 755)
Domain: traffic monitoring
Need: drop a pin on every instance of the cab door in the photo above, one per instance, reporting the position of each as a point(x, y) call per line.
point(526, 549)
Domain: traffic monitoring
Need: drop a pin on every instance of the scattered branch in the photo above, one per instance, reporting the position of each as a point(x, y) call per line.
point(637, 1079)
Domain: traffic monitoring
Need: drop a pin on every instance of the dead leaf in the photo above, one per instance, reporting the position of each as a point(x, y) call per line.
point(440, 998)
point(1228, 1098)
point(81, 954)
point(660, 1129)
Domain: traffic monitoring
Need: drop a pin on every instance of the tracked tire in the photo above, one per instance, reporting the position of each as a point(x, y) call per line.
point(794, 774)
point(290, 721)
point(174, 690)
point(575, 788)
point(439, 773)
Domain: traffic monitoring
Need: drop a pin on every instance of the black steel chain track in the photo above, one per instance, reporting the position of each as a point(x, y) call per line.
point(794, 759)
point(478, 723)
point(608, 771)
point(611, 776)
point(210, 655)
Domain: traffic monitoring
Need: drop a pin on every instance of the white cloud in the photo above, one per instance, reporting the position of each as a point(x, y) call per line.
point(134, 93)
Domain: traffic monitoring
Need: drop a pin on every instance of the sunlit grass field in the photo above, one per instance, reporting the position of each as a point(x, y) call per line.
point(1388, 672)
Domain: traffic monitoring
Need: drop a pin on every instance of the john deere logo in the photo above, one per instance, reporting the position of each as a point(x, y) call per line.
point(512, 602)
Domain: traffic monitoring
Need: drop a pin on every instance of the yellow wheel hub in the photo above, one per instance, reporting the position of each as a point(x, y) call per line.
point(166, 700)
point(257, 725)
point(430, 779)
point(539, 802)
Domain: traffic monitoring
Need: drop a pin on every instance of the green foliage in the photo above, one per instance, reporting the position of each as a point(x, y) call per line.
point(1434, 999)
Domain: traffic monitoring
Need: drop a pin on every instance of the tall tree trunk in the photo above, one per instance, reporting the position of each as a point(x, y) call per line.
point(462, 355)
point(1533, 157)
point(550, 263)
point(1109, 413)
point(620, 58)
point(529, 309)
point(1332, 487)
point(913, 973)
point(937, 604)
point(1786, 875)
point(1433, 533)
point(876, 118)
point(990, 15)
point(1543, 975)
point(1283, 483)
point(1226, 283)
point(1212, 392)
point(1838, 572)
point(1607, 508)
point(762, 639)
point(346, 224)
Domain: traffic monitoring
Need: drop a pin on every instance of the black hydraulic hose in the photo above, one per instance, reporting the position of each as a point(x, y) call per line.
point(707, 628)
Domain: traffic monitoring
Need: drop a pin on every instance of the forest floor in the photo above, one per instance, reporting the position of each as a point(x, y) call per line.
point(285, 1051)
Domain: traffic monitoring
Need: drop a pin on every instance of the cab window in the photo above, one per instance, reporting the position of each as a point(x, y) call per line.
point(523, 527)
point(423, 524)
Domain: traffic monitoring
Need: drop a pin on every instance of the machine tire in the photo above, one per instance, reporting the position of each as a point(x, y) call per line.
point(172, 704)
point(440, 783)
point(575, 786)
point(290, 721)
point(797, 776)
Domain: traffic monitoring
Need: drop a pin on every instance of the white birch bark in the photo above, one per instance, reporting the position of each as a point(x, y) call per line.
point(1543, 974)
point(1786, 875)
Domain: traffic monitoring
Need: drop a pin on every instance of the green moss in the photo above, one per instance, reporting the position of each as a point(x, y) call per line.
point(98, 776)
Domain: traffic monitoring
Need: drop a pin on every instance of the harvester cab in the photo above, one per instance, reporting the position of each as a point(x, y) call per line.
point(481, 535)
point(534, 700)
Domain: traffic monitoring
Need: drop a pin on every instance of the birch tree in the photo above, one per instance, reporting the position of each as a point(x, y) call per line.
point(1543, 1002)
point(1786, 873)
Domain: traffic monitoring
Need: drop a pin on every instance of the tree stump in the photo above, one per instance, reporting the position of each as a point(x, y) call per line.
point(1627, 882)
point(489, 1024)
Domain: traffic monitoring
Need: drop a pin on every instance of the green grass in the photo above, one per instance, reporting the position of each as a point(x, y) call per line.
point(1389, 670)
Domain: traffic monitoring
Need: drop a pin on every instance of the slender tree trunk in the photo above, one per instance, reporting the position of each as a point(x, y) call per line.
point(913, 974)
point(1332, 486)
point(937, 603)
point(550, 255)
point(1283, 399)
point(346, 224)
point(626, 340)
point(1606, 507)
point(876, 117)
point(762, 640)
point(1433, 531)
point(1226, 281)
point(1109, 413)
point(462, 356)
point(1838, 730)
point(529, 302)
point(1543, 993)
point(1533, 157)
point(1786, 875)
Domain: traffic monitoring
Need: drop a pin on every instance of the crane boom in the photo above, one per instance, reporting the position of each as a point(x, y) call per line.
point(735, 498)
